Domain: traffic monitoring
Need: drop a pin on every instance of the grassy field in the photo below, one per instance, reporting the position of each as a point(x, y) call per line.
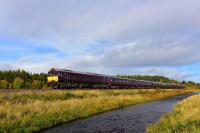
point(185, 118)
point(32, 110)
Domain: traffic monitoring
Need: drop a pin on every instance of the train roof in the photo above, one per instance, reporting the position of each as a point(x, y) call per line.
point(78, 72)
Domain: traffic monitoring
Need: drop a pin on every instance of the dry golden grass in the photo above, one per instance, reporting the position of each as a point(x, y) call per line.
point(185, 118)
point(28, 111)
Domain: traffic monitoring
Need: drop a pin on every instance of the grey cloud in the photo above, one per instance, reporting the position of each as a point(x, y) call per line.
point(155, 52)
point(169, 51)
point(77, 23)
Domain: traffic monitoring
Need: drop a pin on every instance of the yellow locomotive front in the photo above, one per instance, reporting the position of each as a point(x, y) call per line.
point(52, 78)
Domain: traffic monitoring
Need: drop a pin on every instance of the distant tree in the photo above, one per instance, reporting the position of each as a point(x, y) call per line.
point(18, 83)
point(191, 82)
point(149, 78)
point(3, 84)
point(36, 84)
point(28, 78)
point(183, 82)
point(40, 77)
point(27, 84)
point(162, 80)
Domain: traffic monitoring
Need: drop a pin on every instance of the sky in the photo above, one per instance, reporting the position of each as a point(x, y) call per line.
point(147, 37)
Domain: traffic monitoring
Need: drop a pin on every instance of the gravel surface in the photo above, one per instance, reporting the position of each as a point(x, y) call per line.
point(133, 119)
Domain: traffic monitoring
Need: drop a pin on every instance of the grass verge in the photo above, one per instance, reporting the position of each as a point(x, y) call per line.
point(185, 118)
point(28, 111)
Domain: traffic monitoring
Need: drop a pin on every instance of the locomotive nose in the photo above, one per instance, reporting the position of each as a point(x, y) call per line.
point(52, 78)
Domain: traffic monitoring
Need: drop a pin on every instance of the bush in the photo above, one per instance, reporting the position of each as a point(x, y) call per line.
point(44, 86)
point(4, 84)
point(36, 84)
point(18, 83)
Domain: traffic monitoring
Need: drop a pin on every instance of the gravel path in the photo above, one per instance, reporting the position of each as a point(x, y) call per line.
point(133, 119)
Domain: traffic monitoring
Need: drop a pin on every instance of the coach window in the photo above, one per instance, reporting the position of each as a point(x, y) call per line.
point(50, 73)
point(60, 74)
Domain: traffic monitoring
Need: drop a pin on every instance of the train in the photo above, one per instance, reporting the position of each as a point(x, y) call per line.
point(63, 78)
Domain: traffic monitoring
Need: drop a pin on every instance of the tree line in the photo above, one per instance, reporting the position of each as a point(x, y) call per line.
point(19, 79)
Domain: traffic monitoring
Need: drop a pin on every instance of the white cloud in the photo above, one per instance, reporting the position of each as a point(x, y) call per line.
point(6, 67)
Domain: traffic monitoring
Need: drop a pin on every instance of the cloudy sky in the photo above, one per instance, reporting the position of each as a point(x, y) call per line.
point(151, 37)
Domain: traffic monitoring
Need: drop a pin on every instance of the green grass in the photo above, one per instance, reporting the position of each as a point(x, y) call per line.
point(31, 110)
point(185, 118)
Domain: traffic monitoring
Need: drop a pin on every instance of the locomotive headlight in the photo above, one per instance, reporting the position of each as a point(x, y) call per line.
point(52, 78)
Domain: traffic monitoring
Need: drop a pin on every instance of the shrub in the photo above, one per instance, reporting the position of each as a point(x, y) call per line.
point(46, 87)
point(4, 84)
point(18, 83)
point(36, 84)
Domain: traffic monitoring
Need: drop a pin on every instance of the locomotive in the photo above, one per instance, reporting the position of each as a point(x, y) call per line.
point(62, 78)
